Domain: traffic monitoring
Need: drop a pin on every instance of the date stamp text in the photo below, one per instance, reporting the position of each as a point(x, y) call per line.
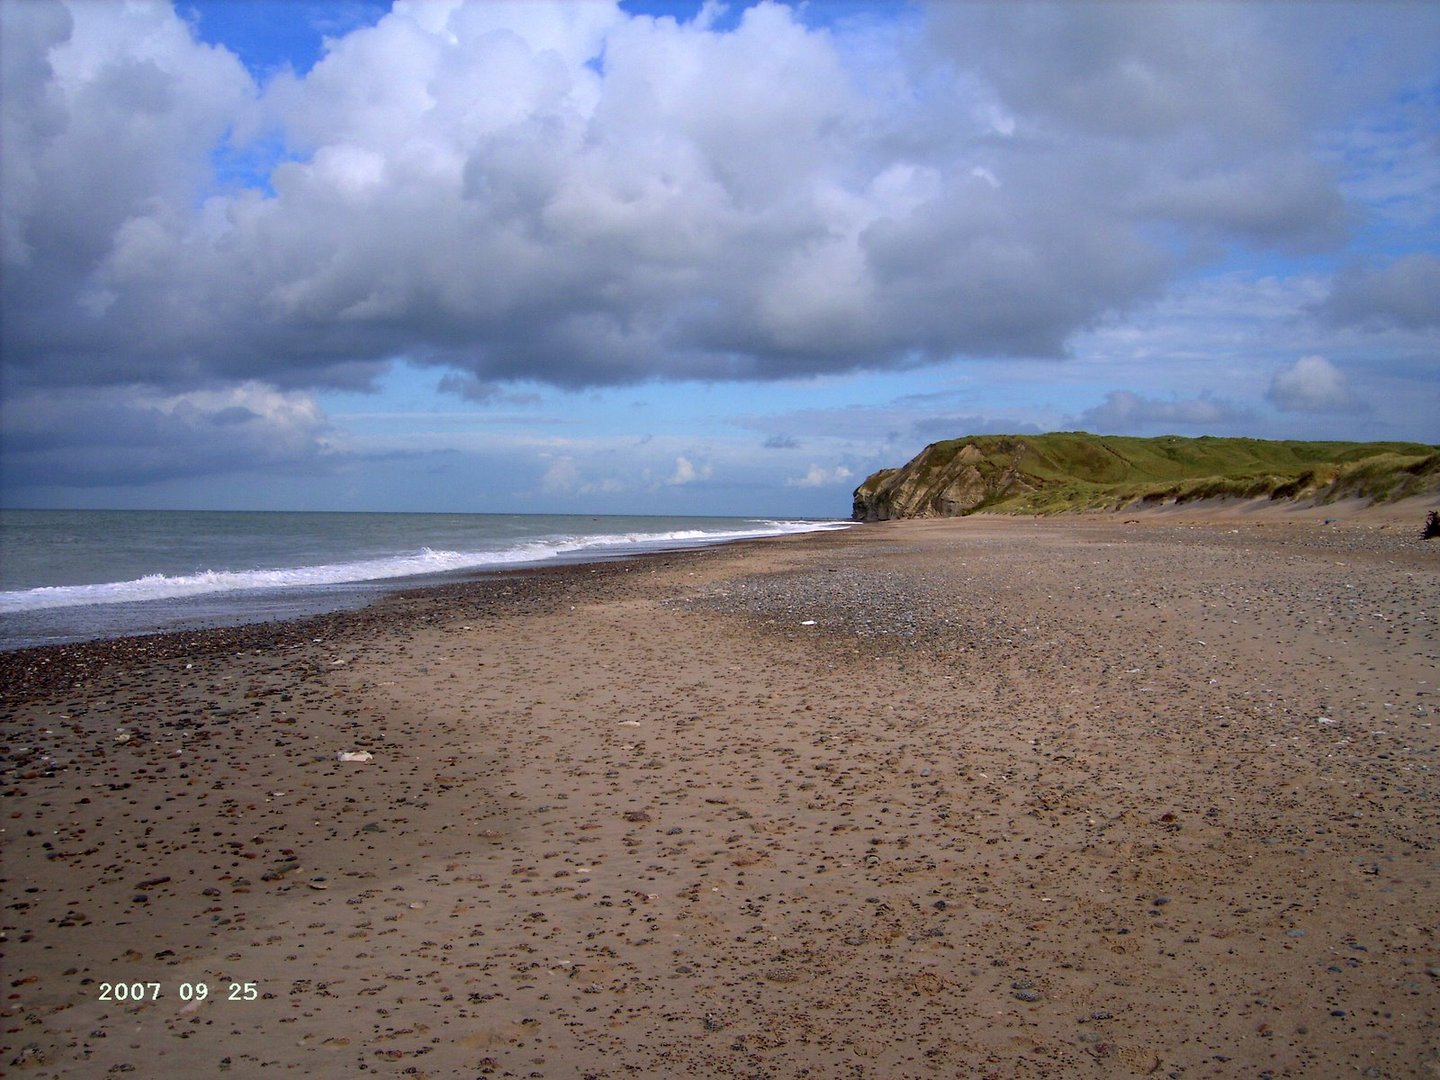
point(187, 991)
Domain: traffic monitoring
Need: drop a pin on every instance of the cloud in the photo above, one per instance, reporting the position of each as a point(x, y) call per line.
point(556, 192)
point(882, 421)
point(1246, 73)
point(1123, 412)
point(1101, 70)
point(847, 422)
point(1196, 116)
point(1312, 385)
point(564, 477)
point(954, 427)
point(816, 477)
point(469, 388)
point(1287, 201)
point(132, 435)
point(686, 473)
point(1404, 293)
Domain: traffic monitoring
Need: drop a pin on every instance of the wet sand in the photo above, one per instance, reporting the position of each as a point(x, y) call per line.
point(987, 797)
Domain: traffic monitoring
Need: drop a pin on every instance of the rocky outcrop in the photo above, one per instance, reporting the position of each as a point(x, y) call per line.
point(942, 481)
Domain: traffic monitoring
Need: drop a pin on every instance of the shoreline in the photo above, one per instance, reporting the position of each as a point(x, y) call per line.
point(182, 602)
point(1399, 518)
point(23, 668)
point(926, 798)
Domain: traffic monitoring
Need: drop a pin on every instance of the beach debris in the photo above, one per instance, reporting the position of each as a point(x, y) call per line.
point(808, 622)
point(356, 755)
point(1024, 990)
point(122, 736)
point(785, 974)
point(30, 1054)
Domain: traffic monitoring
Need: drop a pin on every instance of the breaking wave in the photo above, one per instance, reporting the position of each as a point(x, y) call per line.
point(400, 565)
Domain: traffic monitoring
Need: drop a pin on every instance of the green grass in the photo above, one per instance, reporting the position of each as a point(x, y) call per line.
point(1069, 471)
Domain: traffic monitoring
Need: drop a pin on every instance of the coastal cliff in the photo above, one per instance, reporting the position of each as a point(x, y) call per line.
point(1064, 471)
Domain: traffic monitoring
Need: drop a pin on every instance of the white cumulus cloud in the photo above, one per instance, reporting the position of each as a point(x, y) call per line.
point(577, 195)
point(1312, 385)
point(559, 193)
point(686, 472)
point(817, 476)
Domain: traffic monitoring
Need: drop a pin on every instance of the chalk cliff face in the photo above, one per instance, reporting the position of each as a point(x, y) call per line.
point(1078, 471)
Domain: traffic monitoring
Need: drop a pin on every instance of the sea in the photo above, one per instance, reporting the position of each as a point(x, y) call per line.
point(80, 575)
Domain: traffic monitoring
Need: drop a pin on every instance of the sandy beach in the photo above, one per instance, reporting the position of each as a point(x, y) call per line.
point(986, 797)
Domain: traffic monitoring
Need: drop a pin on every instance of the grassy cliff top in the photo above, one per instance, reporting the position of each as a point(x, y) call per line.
point(1076, 470)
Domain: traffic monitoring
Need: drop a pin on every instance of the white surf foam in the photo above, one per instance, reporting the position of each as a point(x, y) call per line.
point(404, 565)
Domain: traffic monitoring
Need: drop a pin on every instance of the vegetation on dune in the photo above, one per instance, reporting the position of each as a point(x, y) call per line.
point(1069, 471)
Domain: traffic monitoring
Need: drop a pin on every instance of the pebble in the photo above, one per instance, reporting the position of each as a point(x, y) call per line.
point(774, 916)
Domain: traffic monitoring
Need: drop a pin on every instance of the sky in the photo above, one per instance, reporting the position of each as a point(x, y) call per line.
point(674, 258)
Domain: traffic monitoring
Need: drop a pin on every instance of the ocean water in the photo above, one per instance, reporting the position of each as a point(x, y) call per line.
point(77, 575)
